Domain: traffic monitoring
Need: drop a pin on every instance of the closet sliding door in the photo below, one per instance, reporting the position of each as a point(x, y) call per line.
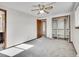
point(61, 28)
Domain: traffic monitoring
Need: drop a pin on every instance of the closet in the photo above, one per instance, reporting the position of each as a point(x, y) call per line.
point(61, 27)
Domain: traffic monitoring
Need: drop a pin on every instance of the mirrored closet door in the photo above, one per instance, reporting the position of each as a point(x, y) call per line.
point(61, 28)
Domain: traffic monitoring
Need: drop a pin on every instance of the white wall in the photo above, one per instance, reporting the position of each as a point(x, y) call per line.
point(74, 32)
point(49, 27)
point(21, 27)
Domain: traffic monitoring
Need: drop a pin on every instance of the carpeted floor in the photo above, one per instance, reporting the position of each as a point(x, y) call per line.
point(44, 47)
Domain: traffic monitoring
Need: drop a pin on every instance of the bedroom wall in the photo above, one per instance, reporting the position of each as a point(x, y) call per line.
point(74, 31)
point(21, 27)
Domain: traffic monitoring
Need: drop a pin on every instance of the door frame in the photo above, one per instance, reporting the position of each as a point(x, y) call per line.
point(5, 29)
point(45, 26)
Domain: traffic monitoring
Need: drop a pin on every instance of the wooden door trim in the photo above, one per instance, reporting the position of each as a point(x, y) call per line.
point(5, 30)
point(45, 27)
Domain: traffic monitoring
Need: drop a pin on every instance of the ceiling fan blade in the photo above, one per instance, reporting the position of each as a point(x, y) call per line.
point(35, 10)
point(50, 7)
point(43, 7)
point(46, 11)
point(40, 6)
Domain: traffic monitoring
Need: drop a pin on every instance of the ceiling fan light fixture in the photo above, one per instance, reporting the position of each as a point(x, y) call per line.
point(41, 11)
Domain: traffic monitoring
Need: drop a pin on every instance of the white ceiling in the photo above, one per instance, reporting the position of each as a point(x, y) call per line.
point(59, 7)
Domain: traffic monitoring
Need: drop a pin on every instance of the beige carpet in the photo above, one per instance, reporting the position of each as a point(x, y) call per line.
point(44, 47)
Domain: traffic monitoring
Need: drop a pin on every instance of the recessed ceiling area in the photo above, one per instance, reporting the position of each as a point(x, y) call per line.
point(26, 7)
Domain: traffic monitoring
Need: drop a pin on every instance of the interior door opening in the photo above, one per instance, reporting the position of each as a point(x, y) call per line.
point(2, 29)
point(41, 28)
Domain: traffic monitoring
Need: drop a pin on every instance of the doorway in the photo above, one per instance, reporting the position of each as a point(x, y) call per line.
point(2, 28)
point(41, 28)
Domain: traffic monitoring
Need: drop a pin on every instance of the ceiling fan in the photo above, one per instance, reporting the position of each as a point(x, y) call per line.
point(43, 8)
